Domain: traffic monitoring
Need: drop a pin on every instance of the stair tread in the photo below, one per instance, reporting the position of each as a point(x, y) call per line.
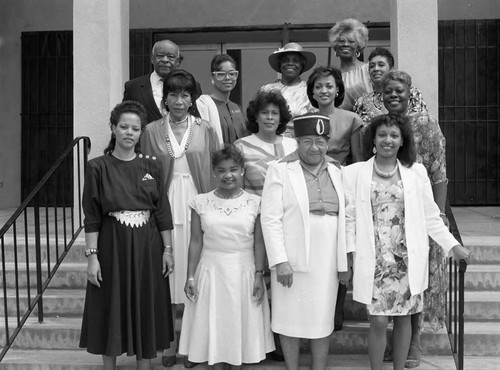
point(79, 358)
point(482, 296)
point(483, 241)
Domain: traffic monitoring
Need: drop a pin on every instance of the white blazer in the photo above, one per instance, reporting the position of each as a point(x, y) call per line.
point(421, 219)
point(285, 216)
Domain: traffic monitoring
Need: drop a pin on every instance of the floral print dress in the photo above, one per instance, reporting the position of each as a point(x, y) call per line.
point(391, 290)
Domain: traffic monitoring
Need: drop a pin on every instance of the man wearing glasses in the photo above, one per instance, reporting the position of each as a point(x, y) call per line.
point(148, 90)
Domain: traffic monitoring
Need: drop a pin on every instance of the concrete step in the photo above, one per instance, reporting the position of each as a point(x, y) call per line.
point(58, 333)
point(485, 249)
point(79, 359)
point(56, 302)
point(55, 249)
point(68, 276)
point(482, 277)
point(479, 305)
point(482, 306)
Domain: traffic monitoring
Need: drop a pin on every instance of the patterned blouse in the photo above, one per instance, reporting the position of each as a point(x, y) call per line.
point(371, 105)
point(430, 145)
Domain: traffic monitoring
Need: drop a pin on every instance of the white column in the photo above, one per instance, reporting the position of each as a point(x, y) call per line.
point(414, 42)
point(101, 65)
point(100, 68)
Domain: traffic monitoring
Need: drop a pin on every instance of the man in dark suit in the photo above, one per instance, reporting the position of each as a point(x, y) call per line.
point(148, 90)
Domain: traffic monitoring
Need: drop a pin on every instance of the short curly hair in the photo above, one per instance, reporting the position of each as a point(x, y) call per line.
point(324, 72)
point(406, 154)
point(383, 52)
point(349, 25)
point(230, 151)
point(260, 102)
point(126, 106)
point(395, 75)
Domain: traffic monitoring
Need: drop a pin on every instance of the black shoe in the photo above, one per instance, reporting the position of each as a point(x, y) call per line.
point(168, 361)
point(276, 356)
point(188, 364)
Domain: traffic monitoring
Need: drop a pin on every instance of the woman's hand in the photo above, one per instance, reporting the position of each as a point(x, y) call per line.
point(190, 290)
point(460, 253)
point(94, 270)
point(259, 288)
point(168, 264)
point(284, 273)
point(345, 278)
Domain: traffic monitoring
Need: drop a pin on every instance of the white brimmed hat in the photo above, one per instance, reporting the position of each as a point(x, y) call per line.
point(292, 47)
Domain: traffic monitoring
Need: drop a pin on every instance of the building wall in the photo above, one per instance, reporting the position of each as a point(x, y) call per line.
point(18, 16)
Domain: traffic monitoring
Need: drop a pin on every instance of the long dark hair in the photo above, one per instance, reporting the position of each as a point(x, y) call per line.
point(406, 153)
point(127, 106)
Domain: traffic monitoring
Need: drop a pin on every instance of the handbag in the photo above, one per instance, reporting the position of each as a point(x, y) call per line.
point(339, 308)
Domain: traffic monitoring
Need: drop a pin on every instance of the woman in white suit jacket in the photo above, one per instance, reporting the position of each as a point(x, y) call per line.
point(391, 249)
point(303, 223)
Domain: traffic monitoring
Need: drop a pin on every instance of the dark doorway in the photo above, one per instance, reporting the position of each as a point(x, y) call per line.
point(469, 109)
point(46, 111)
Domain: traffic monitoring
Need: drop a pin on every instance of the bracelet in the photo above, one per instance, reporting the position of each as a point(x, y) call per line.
point(442, 214)
point(259, 272)
point(91, 251)
point(190, 278)
point(168, 253)
point(167, 247)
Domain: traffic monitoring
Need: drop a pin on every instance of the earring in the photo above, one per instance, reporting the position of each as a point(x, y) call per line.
point(374, 150)
point(336, 53)
point(358, 54)
point(212, 81)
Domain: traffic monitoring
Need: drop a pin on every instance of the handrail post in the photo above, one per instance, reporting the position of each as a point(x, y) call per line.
point(38, 254)
point(461, 302)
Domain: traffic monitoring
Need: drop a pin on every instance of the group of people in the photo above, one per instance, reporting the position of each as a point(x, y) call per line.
point(330, 182)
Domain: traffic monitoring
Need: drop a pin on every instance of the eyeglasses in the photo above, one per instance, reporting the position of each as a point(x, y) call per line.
point(343, 40)
point(320, 143)
point(221, 75)
point(171, 57)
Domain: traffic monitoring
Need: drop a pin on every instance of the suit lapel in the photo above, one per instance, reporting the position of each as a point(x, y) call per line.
point(298, 183)
point(147, 95)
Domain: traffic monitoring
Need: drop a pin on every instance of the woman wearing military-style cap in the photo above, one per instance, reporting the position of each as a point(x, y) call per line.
point(291, 61)
point(303, 222)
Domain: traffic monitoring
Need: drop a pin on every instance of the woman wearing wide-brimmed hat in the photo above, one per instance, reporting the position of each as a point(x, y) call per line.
point(291, 61)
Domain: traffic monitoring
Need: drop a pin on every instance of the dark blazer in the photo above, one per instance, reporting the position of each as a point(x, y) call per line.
point(139, 89)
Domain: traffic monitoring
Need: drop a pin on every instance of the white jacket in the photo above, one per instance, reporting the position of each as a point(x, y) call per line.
point(421, 219)
point(285, 216)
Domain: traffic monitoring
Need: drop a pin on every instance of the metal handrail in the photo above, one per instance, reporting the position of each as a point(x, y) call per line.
point(80, 147)
point(456, 302)
point(456, 299)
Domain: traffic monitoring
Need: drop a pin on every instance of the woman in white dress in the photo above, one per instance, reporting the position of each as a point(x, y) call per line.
point(227, 319)
point(268, 116)
point(183, 143)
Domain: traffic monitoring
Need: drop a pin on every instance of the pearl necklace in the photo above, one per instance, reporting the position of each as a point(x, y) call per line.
point(384, 175)
point(169, 144)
